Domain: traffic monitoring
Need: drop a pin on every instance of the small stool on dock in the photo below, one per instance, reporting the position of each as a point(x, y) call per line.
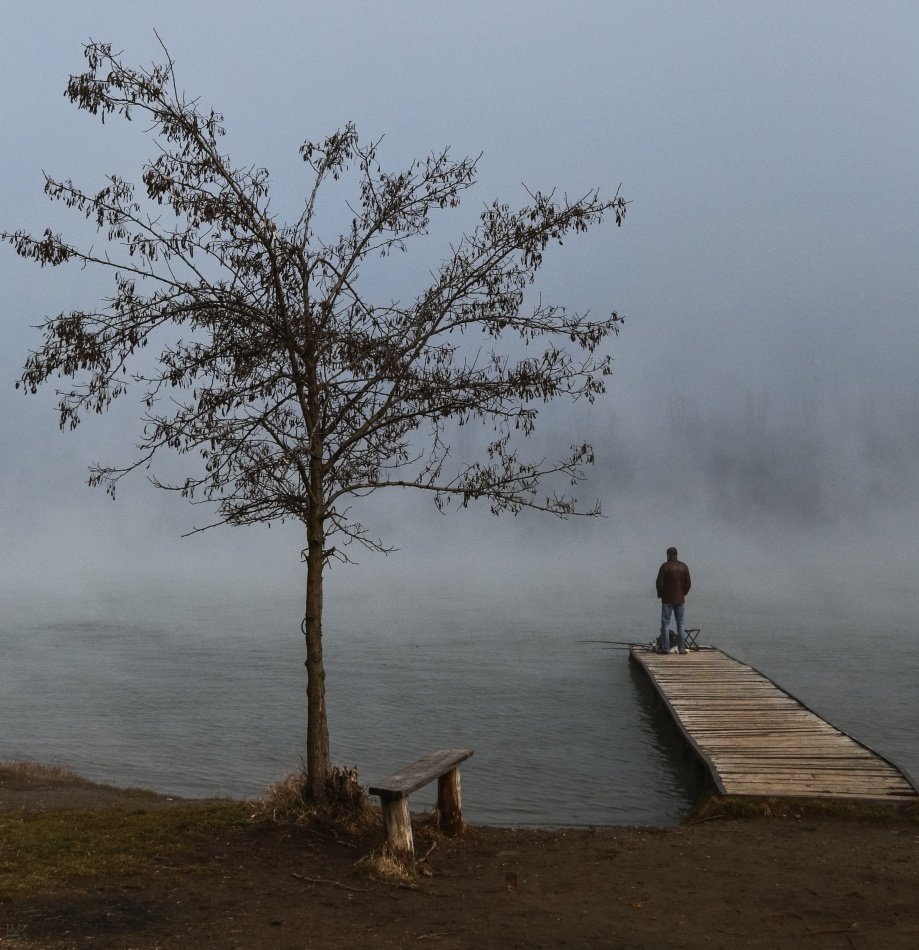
point(395, 789)
point(692, 636)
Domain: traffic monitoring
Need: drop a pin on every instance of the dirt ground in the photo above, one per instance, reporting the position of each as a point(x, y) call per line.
point(792, 881)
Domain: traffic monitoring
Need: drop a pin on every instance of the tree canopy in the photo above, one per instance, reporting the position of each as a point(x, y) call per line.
point(274, 362)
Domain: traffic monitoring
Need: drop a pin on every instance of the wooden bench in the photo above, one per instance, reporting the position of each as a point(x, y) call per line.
point(395, 789)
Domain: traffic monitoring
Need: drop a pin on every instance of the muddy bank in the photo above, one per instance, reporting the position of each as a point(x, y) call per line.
point(789, 880)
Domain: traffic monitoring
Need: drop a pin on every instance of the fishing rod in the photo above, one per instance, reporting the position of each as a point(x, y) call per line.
point(615, 643)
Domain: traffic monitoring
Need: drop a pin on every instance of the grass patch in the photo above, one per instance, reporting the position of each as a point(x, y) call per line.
point(36, 773)
point(24, 776)
point(741, 807)
point(43, 849)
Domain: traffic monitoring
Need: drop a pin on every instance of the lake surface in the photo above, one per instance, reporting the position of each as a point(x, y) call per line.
point(200, 699)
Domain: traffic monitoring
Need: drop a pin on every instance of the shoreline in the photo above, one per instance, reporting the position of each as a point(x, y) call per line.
point(158, 871)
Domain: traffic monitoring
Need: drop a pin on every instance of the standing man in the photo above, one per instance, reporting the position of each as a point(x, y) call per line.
point(673, 585)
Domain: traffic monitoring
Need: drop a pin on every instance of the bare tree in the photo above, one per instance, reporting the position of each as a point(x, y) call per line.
point(275, 366)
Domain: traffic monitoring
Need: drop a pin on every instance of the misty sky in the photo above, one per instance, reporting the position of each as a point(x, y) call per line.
point(761, 414)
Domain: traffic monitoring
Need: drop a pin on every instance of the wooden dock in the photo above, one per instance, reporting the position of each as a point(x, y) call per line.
point(758, 740)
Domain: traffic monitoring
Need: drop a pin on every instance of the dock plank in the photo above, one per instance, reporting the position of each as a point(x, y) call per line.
point(756, 739)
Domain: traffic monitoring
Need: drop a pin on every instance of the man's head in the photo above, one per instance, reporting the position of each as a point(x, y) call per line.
point(671, 554)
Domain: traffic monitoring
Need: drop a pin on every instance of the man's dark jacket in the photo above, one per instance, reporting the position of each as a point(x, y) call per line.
point(673, 582)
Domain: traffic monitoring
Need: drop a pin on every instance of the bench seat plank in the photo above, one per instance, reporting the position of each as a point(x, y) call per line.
point(419, 773)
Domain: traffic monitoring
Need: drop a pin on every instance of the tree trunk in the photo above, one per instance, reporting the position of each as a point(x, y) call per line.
point(318, 762)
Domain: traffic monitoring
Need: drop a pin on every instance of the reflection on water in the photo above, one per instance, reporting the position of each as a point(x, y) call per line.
point(688, 774)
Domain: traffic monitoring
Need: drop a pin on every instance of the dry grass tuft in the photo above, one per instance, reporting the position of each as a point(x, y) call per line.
point(383, 865)
point(346, 808)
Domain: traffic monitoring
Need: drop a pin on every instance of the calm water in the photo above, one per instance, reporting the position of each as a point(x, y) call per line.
point(196, 699)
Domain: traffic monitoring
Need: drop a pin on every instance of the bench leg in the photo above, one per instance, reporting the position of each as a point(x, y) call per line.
point(397, 820)
point(450, 803)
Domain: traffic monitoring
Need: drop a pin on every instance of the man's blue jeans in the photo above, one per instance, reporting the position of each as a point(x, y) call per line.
point(666, 611)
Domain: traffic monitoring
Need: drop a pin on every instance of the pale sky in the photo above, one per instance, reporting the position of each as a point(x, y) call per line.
point(764, 397)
